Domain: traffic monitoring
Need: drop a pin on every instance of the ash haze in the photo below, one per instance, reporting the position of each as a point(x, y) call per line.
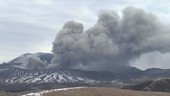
point(120, 36)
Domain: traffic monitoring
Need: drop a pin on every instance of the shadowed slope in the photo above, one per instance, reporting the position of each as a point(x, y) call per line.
point(158, 85)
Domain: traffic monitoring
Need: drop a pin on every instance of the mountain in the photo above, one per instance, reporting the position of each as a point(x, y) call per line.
point(158, 85)
point(16, 79)
point(12, 75)
point(62, 76)
point(43, 56)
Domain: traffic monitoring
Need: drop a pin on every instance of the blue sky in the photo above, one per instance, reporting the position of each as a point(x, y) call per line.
point(29, 26)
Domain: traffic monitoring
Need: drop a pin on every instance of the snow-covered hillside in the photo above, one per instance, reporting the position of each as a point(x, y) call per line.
point(46, 76)
point(15, 75)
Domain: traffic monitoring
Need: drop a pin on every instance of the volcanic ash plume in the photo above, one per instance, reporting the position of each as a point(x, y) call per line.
point(111, 42)
point(33, 62)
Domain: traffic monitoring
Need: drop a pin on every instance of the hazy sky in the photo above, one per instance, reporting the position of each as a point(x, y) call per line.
point(29, 26)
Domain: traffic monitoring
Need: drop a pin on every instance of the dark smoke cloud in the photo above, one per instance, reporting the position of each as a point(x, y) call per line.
point(111, 42)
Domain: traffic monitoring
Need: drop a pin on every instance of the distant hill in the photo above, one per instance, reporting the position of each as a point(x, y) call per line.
point(158, 85)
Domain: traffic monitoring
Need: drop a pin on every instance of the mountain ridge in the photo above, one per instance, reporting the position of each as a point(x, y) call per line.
point(11, 74)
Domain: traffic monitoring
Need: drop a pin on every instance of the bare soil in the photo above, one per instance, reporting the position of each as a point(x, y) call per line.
point(104, 92)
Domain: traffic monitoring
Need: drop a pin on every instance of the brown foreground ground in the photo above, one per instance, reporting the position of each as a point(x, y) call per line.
point(8, 94)
point(104, 92)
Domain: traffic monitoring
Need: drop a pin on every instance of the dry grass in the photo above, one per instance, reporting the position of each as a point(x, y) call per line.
point(6, 94)
point(104, 92)
point(10, 94)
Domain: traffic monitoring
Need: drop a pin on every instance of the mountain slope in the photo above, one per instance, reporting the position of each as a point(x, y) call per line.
point(16, 75)
point(158, 85)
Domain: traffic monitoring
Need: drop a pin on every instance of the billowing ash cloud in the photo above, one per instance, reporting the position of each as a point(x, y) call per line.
point(33, 62)
point(111, 42)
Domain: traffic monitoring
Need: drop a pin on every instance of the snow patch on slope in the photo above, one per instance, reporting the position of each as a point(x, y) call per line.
point(47, 91)
point(46, 77)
